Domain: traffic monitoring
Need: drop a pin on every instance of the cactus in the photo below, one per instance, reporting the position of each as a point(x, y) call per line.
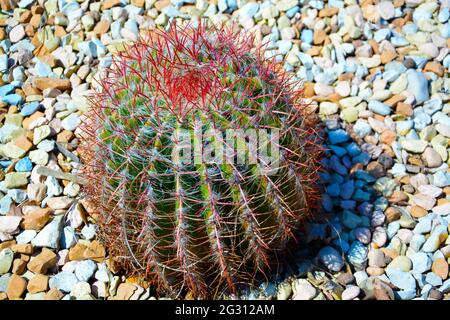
point(202, 227)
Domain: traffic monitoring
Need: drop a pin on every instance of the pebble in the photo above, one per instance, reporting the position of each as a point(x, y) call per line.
point(17, 33)
point(85, 270)
point(49, 236)
point(331, 258)
point(71, 122)
point(63, 281)
point(402, 263)
point(401, 279)
point(6, 259)
point(303, 290)
point(351, 293)
point(377, 74)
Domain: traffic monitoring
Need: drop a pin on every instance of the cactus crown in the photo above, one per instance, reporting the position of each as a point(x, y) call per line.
point(201, 226)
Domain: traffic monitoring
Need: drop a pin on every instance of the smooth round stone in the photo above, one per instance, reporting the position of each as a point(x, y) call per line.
point(284, 291)
point(322, 89)
point(376, 258)
point(331, 258)
point(303, 290)
point(351, 293)
point(343, 88)
point(350, 115)
point(432, 158)
point(386, 10)
point(328, 108)
point(71, 122)
point(417, 85)
point(357, 254)
point(17, 33)
point(430, 49)
point(402, 263)
point(362, 128)
point(379, 107)
point(363, 235)
point(379, 236)
point(24, 165)
point(401, 279)
point(350, 102)
point(415, 146)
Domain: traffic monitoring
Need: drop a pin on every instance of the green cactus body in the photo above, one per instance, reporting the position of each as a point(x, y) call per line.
point(201, 226)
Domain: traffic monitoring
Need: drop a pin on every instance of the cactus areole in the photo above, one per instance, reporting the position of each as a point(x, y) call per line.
point(201, 158)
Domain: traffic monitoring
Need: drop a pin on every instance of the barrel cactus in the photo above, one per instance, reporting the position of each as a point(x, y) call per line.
point(205, 226)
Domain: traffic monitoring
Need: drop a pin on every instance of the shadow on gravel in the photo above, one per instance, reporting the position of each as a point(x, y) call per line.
point(351, 215)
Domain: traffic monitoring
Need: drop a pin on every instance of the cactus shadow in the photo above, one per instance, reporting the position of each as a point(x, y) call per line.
point(350, 215)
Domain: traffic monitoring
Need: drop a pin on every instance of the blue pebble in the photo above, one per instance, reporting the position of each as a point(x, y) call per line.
point(29, 108)
point(361, 174)
point(379, 107)
point(12, 99)
point(433, 279)
point(357, 254)
point(441, 179)
point(366, 209)
point(347, 190)
point(390, 75)
point(382, 34)
point(445, 286)
point(316, 4)
point(362, 128)
point(445, 30)
point(432, 106)
point(307, 36)
point(346, 162)
point(5, 163)
point(331, 258)
point(336, 165)
point(324, 177)
point(249, 10)
point(5, 204)
point(6, 89)
point(42, 69)
point(418, 85)
point(291, 12)
point(405, 294)
point(399, 41)
point(348, 204)
point(410, 28)
point(336, 178)
point(338, 136)
point(24, 165)
point(232, 4)
point(363, 158)
point(392, 229)
point(333, 190)
point(360, 183)
point(339, 151)
point(341, 244)
point(350, 220)
point(420, 121)
point(444, 14)
point(361, 195)
point(401, 279)
point(327, 203)
point(353, 149)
